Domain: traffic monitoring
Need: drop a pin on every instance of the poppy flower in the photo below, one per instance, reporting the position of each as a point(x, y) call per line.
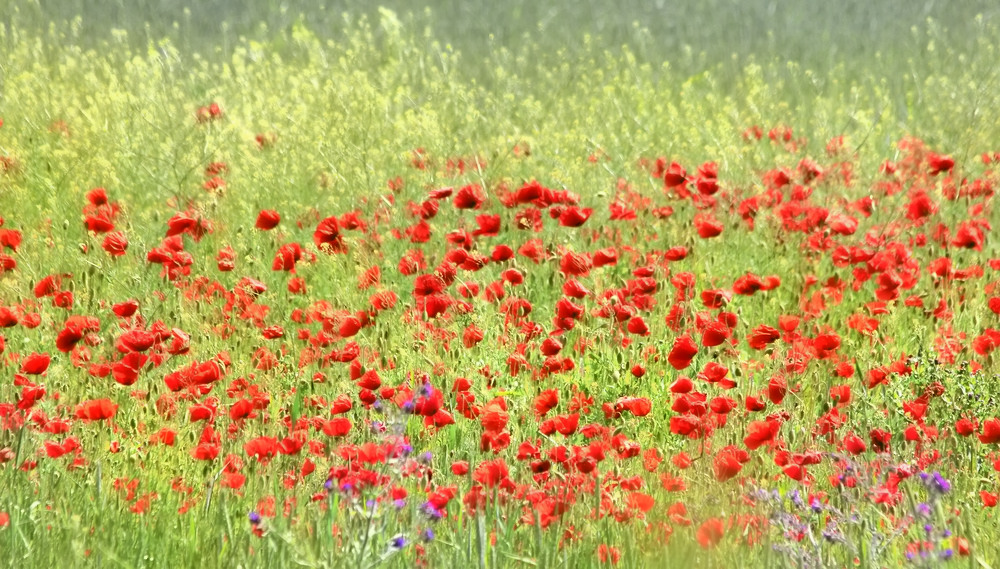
point(327, 236)
point(606, 256)
point(682, 384)
point(707, 226)
point(880, 439)
point(777, 387)
point(989, 498)
point(965, 427)
point(67, 338)
point(991, 431)
point(608, 554)
point(96, 410)
point(685, 425)
point(637, 325)
point(98, 224)
point(683, 351)
point(262, 448)
point(491, 472)
point(35, 363)
point(115, 243)
point(638, 406)
point(710, 533)
point(761, 336)
point(760, 433)
point(126, 370)
point(676, 253)
point(715, 333)
point(267, 219)
point(469, 197)
point(337, 427)
point(575, 264)
point(574, 216)
point(674, 175)
point(642, 502)
point(125, 309)
point(937, 163)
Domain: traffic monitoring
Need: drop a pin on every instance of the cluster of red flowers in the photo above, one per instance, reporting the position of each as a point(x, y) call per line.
point(524, 289)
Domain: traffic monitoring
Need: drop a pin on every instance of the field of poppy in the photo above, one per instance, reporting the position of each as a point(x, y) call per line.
point(363, 300)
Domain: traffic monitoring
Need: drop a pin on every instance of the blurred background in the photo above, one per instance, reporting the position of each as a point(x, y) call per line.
point(815, 34)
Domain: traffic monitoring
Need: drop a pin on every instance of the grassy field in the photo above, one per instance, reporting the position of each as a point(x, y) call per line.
point(501, 285)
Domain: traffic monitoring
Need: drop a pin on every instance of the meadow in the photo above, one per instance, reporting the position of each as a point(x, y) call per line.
point(704, 284)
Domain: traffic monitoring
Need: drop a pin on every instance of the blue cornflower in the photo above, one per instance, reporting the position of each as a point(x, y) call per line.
point(430, 511)
point(425, 390)
point(939, 484)
point(816, 505)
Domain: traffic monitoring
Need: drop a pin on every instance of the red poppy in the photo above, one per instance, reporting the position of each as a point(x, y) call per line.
point(491, 472)
point(262, 448)
point(760, 433)
point(574, 216)
point(728, 462)
point(35, 363)
point(337, 427)
point(606, 256)
point(707, 226)
point(715, 333)
point(682, 353)
point(267, 219)
point(989, 498)
point(327, 236)
point(126, 370)
point(575, 264)
point(115, 243)
point(469, 197)
point(642, 502)
point(761, 336)
point(608, 554)
point(966, 427)
point(937, 163)
point(776, 389)
point(682, 384)
point(637, 326)
point(546, 401)
point(96, 410)
point(638, 406)
point(674, 175)
point(125, 309)
point(880, 439)
point(710, 533)
point(206, 451)
point(991, 431)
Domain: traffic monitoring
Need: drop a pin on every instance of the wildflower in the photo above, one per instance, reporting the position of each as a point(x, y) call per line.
point(710, 533)
point(432, 513)
point(935, 483)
